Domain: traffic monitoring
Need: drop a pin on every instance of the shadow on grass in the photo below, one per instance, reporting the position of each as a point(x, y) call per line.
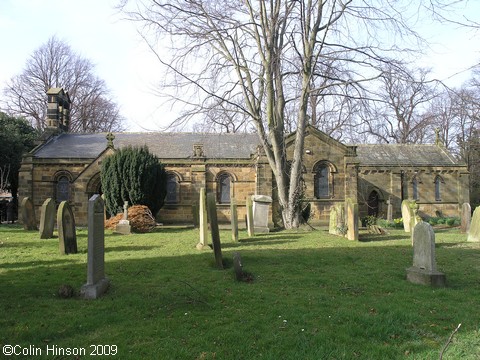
point(385, 237)
point(356, 293)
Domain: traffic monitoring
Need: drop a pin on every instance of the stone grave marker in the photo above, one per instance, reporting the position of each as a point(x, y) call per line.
point(424, 269)
point(250, 221)
point(466, 218)
point(67, 236)
point(234, 219)
point(203, 221)
point(352, 220)
point(123, 227)
point(406, 215)
point(212, 218)
point(195, 214)
point(97, 284)
point(28, 214)
point(237, 266)
point(47, 219)
point(389, 210)
point(337, 220)
point(261, 206)
point(474, 231)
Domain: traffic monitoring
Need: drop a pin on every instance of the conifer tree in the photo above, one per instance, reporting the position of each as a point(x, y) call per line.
point(135, 175)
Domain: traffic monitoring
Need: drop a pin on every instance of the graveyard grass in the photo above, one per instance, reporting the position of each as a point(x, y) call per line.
point(314, 296)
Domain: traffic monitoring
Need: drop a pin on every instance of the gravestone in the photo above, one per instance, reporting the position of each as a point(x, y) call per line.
point(47, 219)
point(407, 215)
point(67, 236)
point(195, 214)
point(352, 220)
point(261, 206)
point(474, 231)
point(212, 218)
point(237, 266)
point(28, 214)
point(466, 218)
point(424, 269)
point(203, 221)
point(123, 227)
point(97, 284)
point(234, 219)
point(337, 220)
point(250, 221)
point(389, 210)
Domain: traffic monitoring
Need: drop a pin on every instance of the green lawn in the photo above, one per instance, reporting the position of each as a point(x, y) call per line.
point(314, 296)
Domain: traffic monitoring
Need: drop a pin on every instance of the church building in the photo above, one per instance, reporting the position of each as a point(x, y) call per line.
point(66, 166)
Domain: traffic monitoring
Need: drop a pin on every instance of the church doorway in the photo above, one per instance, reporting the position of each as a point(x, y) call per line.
point(373, 203)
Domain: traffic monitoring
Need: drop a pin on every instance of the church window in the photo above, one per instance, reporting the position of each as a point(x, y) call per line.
point(323, 180)
point(63, 189)
point(172, 189)
point(415, 188)
point(223, 188)
point(438, 185)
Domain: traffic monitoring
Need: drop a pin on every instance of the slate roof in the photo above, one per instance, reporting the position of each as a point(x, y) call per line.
point(164, 145)
point(404, 155)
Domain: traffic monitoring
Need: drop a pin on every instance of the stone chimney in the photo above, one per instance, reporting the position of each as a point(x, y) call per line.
point(58, 110)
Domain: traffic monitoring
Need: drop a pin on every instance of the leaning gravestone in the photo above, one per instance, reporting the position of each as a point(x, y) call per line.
point(474, 231)
point(67, 235)
point(261, 206)
point(203, 221)
point(250, 222)
point(28, 214)
point(212, 218)
point(407, 214)
point(238, 266)
point(466, 218)
point(352, 220)
point(234, 219)
point(47, 219)
point(424, 269)
point(97, 284)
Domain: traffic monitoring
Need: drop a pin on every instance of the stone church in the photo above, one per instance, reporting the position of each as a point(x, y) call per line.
point(66, 166)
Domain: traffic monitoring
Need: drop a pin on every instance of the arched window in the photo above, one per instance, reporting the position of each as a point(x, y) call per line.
point(223, 188)
point(323, 180)
point(415, 188)
point(63, 189)
point(172, 189)
point(438, 184)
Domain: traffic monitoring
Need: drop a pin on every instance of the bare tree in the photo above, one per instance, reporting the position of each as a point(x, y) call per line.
point(55, 64)
point(263, 56)
point(398, 113)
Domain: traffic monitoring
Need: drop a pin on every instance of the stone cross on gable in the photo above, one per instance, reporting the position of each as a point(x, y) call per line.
point(110, 137)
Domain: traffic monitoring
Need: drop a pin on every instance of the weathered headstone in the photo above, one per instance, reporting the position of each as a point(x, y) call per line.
point(424, 269)
point(238, 266)
point(337, 220)
point(234, 219)
point(203, 221)
point(212, 219)
point(261, 206)
point(67, 235)
point(407, 215)
point(97, 284)
point(28, 214)
point(47, 219)
point(389, 210)
point(123, 227)
point(352, 220)
point(474, 231)
point(250, 221)
point(466, 218)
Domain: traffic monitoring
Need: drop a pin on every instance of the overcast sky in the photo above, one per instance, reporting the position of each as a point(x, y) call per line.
point(95, 30)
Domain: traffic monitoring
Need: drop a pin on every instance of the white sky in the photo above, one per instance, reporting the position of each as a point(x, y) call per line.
point(95, 30)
